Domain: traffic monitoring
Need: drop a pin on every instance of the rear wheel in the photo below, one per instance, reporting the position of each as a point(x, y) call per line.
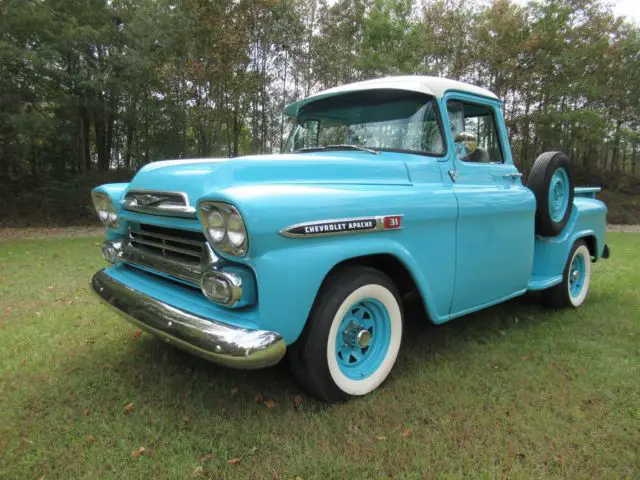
point(576, 278)
point(352, 337)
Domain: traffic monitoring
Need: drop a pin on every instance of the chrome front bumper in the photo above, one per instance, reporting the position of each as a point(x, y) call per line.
point(217, 342)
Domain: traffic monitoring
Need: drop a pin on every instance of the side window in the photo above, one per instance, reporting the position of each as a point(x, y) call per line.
point(474, 132)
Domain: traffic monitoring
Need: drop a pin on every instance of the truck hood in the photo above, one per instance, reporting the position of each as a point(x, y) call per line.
point(204, 176)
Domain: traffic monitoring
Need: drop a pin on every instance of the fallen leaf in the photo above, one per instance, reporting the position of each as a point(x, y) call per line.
point(233, 461)
point(406, 433)
point(129, 407)
point(137, 333)
point(270, 404)
point(139, 452)
point(198, 472)
point(380, 437)
point(234, 390)
point(259, 398)
point(297, 401)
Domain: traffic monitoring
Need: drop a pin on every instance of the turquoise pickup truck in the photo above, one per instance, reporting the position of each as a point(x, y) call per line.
point(385, 188)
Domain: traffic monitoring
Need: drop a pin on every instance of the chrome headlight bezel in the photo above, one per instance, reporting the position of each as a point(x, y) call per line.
point(234, 240)
point(105, 209)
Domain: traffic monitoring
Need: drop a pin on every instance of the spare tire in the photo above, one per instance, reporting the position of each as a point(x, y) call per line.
point(552, 183)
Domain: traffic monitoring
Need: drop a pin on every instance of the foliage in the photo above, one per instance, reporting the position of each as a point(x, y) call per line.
point(113, 84)
point(515, 391)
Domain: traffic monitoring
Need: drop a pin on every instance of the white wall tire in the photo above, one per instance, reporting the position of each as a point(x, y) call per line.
point(578, 295)
point(352, 337)
point(365, 385)
point(576, 280)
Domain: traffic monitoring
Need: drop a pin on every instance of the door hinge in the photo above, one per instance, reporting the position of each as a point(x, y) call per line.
point(453, 175)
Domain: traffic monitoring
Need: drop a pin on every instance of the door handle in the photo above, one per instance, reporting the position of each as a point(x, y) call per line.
point(512, 175)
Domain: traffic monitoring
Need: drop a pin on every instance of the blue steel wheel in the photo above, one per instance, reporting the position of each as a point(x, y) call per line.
point(573, 289)
point(551, 182)
point(363, 338)
point(352, 337)
point(559, 194)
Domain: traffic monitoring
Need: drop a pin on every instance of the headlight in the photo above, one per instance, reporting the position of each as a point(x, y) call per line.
point(235, 230)
point(224, 227)
point(215, 224)
point(105, 209)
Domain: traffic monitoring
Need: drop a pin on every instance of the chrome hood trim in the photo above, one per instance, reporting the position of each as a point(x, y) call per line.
point(158, 202)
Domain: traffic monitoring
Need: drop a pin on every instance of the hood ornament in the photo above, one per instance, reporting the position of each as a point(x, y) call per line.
point(173, 204)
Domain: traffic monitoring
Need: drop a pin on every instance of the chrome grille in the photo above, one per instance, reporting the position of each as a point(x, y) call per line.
point(179, 253)
point(169, 242)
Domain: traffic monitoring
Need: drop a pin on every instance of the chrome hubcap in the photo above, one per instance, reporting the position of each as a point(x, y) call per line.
point(575, 275)
point(364, 338)
point(357, 337)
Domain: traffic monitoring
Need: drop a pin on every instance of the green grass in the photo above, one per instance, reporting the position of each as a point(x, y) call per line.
point(516, 391)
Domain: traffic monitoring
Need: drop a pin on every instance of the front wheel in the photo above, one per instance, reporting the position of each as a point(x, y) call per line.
point(573, 289)
point(352, 337)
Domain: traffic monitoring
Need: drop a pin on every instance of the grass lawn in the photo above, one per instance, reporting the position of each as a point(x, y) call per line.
point(516, 391)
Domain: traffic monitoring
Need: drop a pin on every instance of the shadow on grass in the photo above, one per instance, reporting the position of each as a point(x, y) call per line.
point(172, 377)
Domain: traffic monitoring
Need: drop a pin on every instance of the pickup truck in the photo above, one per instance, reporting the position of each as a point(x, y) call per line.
point(386, 189)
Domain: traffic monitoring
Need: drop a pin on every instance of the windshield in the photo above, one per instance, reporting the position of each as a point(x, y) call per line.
point(393, 120)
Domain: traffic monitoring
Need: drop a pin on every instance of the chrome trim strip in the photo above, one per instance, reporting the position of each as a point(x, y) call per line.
point(170, 209)
point(181, 270)
point(379, 226)
point(212, 340)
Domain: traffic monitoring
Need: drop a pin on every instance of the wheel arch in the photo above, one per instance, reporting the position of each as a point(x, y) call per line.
point(592, 244)
point(392, 266)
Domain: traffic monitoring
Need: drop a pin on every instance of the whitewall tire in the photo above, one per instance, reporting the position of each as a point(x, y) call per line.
point(576, 279)
point(352, 337)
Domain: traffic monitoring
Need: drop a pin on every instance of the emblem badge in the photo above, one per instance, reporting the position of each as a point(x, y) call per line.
point(343, 226)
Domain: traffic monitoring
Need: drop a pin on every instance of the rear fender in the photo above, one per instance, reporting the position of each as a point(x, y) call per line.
point(587, 222)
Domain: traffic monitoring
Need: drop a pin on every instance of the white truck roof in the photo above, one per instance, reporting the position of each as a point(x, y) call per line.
point(435, 86)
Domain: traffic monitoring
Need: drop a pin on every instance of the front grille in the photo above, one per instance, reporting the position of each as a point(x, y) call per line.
point(178, 253)
point(180, 244)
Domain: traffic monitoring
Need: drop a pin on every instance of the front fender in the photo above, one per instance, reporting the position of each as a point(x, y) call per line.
point(289, 279)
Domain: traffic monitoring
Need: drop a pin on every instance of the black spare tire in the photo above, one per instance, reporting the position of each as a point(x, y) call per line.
point(552, 184)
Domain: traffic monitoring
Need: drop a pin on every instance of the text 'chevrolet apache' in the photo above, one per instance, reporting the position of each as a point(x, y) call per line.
point(385, 188)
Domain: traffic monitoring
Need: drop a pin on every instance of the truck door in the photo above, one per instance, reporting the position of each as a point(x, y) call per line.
point(495, 229)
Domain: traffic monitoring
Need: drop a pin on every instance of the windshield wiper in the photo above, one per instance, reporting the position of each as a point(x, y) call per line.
point(342, 146)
